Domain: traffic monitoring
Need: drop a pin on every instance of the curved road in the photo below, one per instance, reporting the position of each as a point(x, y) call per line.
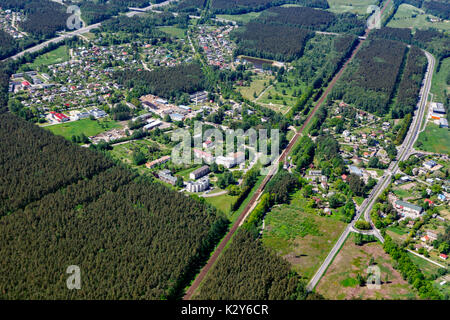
point(65, 35)
point(404, 153)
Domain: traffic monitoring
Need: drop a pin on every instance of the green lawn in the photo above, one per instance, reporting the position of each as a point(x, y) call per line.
point(434, 139)
point(243, 18)
point(223, 203)
point(408, 16)
point(401, 193)
point(173, 31)
point(257, 85)
point(358, 200)
point(58, 55)
point(426, 267)
point(87, 126)
point(397, 230)
point(299, 235)
point(359, 7)
point(439, 84)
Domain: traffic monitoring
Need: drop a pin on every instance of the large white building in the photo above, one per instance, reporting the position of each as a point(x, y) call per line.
point(231, 160)
point(407, 209)
point(198, 186)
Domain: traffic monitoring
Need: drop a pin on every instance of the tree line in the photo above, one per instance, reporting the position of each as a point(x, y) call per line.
point(410, 84)
point(131, 237)
point(244, 6)
point(276, 42)
point(249, 271)
point(410, 271)
point(314, 19)
point(371, 79)
point(167, 82)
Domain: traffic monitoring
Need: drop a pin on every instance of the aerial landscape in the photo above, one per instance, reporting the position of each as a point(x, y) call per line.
point(194, 150)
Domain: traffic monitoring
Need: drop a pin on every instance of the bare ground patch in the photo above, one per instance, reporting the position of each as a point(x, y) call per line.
point(339, 282)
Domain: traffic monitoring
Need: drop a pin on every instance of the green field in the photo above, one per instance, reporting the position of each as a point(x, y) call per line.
point(257, 85)
point(299, 235)
point(58, 55)
point(439, 86)
point(240, 18)
point(173, 31)
point(434, 139)
point(223, 202)
point(426, 267)
point(408, 16)
point(359, 7)
point(87, 126)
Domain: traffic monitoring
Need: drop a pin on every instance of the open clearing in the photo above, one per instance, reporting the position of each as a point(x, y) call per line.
point(300, 236)
point(87, 126)
point(173, 31)
point(257, 85)
point(223, 202)
point(58, 55)
point(434, 139)
point(340, 282)
point(408, 16)
point(360, 7)
point(439, 85)
point(240, 18)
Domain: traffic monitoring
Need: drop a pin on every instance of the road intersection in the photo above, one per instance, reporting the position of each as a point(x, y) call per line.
point(405, 150)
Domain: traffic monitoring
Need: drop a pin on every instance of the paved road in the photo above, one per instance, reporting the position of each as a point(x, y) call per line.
point(429, 260)
point(66, 35)
point(258, 193)
point(403, 154)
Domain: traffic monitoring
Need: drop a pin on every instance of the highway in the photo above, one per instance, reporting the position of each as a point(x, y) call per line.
point(253, 201)
point(403, 154)
point(66, 35)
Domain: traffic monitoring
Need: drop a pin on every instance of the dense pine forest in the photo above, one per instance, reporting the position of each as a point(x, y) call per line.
point(7, 45)
point(371, 80)
point(247, 270)
point(440, 9)
point(409, 87)
point(283, 43)
point(24, 177)
point(43, 17)
point(167, 82)
point(243, 6)
point(191, 6)
point(314, 19)
point(436, 42)
point(131, 238)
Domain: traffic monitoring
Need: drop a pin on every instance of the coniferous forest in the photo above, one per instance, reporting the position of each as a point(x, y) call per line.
point(283, 43)
point(242, 6)
point(249, 271)
point(131, 238)
point(371, 80)
point(167, 82)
